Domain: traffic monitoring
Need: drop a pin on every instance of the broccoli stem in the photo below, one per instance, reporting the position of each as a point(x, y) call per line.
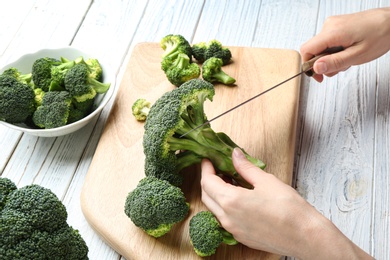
point(221, 76)
point(99, 86)
point(228, 238)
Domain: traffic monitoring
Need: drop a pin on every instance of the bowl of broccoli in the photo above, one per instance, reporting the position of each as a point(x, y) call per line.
point(54, 92)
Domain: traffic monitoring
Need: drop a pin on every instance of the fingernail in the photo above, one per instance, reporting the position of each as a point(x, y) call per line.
point(321, 68)
point(238, 153)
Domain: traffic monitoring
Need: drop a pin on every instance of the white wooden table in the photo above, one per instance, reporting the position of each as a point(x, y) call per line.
point(343, 140)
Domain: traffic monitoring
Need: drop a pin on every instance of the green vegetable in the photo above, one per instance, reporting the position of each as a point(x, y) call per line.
point(175, 44)
point(212, 72)
point(33, 225)
point(174, 114)
point(41, 72)
point(180, 69)
point(155, 206)
point(17, 100)
point(54, 111)
point(96, 71)
point(206, 234)
point(23, 78)
point(58, 74)
point(140, 109)
point(203, 51)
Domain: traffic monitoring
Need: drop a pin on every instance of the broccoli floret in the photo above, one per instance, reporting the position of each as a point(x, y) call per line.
point(80, 109)
point(212, 72)
point(206, 234)
point(17, 100)
point(33, 225)
point(23, 78)
point(6, 187)
point(213, 48)
point(140, 109)
point(39, 93)
point(58, 74)
point(54, 111)
point(175, 44)
point(79, 75)
point(96, 71)
point(155, 206)
point(182, 70)
point(174, 114)
point(41, 72)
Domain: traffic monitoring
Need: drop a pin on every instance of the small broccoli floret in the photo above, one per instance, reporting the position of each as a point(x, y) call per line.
point(54, 111)
point(58, 74)
point(140, 109)
point(79, 75)
point(206, 234)
point(33, 225)
point(175, 44)
point(23, 78)
point(96, 71)
point(174, 114)
point(212, 72)
point(182, 70)
point(17, 100)
point(41, 72)
point(203, 51)
point(155, 206)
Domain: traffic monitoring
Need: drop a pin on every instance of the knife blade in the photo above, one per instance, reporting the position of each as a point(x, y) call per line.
point(306, 68)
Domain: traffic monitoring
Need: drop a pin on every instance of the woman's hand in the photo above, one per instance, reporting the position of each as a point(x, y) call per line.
point(365, 36)
point(272, 217)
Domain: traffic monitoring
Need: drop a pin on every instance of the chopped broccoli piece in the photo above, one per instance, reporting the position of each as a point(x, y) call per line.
point(79, 75)
point(17, 100)
point(206, 234)
point(174, 114)
point(140, 109)
point(212, 72)
point(203, 51)
point(181, 70)
point(96, 71)
point(155, 206)
point(58, 74)
point(54, 111)
point(41, 72)
point(39, 93)
point(80, 109)
point(33, 225)
point(23, 78)
point(175, 44)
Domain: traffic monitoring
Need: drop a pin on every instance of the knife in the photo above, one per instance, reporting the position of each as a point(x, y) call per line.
point(306, 68)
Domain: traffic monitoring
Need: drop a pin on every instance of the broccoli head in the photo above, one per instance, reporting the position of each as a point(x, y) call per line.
point(175, 113)
point(203, 51)
point(155, 206)
point(206, 234)
point(17, 100)
point(212, 72)
point(140, 109)
point(54, 111)
point(175, 44)
point(180, 70)
point(33, 225)
point(41, 72)
point(23, 78)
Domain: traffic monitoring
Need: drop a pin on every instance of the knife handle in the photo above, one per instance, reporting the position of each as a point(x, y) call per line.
point(308, 65)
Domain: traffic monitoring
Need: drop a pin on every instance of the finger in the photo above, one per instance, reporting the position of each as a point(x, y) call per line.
point(245, 168)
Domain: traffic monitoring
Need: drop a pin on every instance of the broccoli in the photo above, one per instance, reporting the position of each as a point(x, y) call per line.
point(96, 71)
point(58, 74)
point(175, 44)
point(80, 75)
point(54, 111)
point(181, 69)
point(206, 234)
point(140, 109)
point(155, 206)
point(41, 72)
point(174, 114)
point(23, 78)
point(212, 72)
point(203, 51)
point(17, 100)
point(33, 225)
point(39, 93)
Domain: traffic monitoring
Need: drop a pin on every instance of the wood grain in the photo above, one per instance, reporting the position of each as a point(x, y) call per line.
point(265, 128)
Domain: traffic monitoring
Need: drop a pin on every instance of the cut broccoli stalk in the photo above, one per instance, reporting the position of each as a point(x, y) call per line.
point(212, 72)
point(176, 113)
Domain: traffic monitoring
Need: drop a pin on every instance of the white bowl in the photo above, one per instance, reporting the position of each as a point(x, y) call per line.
point(24, 65)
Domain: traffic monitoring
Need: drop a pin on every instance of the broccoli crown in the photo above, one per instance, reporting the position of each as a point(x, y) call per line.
point(80, 75)
point(140, 109)
point(181, 70)
point(203, 51)
point(174, 114)
point(212, 72)
point(58, 75)
point(14, 72)
point(17, 100)
point(80, 109)
point(41, 72)
point(54, 111)
point(33, 225)
point(206, 234)
point(155, 206)
point(175, 44)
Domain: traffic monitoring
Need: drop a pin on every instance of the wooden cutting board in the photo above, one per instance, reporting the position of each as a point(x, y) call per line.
point(265, 128)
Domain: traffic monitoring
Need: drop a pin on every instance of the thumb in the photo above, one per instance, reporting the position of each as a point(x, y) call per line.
point(245, 168)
